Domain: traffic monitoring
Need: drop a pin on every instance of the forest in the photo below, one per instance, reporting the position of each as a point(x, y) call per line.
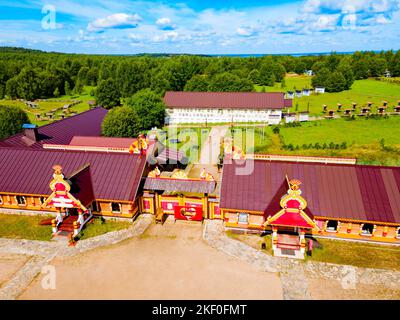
point(31, 74)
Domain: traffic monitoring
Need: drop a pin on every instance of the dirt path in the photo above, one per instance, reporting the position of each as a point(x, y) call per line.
point(167, 262)
point(211, 147)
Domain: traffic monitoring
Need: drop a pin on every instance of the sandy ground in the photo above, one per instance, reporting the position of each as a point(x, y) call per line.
point(167, 262)
point(10, 264)
point(332, 290)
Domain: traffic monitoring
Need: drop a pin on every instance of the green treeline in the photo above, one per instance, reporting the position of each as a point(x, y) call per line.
point(31, 74)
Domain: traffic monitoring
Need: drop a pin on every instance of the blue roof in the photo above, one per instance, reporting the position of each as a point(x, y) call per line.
point(28, 126)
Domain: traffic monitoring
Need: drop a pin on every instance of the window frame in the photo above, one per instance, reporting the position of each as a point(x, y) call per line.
point(21, 197)
point(119, 205)
point(328, 229)
point(243, 214)
point(363, 233)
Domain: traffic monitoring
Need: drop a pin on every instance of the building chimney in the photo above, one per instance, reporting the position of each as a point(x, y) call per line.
point(31, 131)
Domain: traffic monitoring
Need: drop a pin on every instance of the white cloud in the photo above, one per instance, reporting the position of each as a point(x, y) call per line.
point(115, 21)
point(165, 24)
point(246, 31)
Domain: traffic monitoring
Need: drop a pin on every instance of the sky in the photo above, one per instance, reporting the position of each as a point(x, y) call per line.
point(200, 26)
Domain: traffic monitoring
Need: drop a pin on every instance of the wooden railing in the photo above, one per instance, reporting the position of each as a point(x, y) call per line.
point(326, 160)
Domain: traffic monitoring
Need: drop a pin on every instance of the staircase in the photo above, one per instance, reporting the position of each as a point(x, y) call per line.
point(67, 225)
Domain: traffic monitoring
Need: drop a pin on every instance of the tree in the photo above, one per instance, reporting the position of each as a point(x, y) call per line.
point(11, 120)
point(321, 78)
point(67, 88)
point(227, 82)
point(346, 70)
point(198, 83)
point(29, 84)
point(254, 76)
point(267, 76)
point(56, 93)
point(336, 82)
point(149, 107)
point(12, 88)
point(121, 122)
point(107, 94)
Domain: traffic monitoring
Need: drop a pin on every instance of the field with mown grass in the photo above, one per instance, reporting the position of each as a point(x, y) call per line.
point(361, 92)
point(27, 227)
point(24, 227)
point(98, 226)
point(357, 254)
point(48, 105)
point(362, 138)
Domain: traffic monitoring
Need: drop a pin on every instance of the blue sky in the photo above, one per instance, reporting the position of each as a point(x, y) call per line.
point(201, 26)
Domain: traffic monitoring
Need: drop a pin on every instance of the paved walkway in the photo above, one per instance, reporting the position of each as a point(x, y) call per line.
point(211, 147)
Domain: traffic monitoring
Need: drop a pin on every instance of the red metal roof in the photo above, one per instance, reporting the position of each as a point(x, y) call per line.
point(87, 123)
point(365, 193)
point(115, 176)
point(81, 185)
point(102, 142)
point(179, 185)
point(226, 100)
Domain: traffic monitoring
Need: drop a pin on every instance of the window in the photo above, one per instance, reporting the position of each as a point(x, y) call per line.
point(243, 218)
point(21, 200)
point(1, 200)
point(367, 229)
point(95, 206)
point(42, 200)
point(332, 226)
point(398, 233)
point(115, 207)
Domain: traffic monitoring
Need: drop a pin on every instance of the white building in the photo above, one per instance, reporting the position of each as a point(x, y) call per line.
point(303, 116)
point(319, 90)
point(224, 107)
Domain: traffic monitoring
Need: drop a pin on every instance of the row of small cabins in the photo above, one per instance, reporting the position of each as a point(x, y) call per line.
point(365, 110)
point(67, 169)
point(304, 92)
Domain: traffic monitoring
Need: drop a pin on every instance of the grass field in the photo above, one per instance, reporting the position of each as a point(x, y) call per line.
point(97, 227)
point(361, 92)
point(363, 139)
point(335, 251)
point(357, 254)
point(24, 227)
point(52, 104)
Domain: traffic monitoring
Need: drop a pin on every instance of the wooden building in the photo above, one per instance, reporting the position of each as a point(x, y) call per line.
point(343, 201)
point(224, 107)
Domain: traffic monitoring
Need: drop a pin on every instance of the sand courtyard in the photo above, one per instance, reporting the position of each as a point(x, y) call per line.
point(166, 262)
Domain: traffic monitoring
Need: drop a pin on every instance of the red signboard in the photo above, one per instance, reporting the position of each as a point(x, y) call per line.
point(189, 213)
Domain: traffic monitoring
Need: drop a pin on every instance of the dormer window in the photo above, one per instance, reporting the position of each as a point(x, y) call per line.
point(21, 200)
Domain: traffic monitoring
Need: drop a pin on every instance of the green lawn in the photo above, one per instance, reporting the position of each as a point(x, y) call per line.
point(186, 139)
point(100, 226)
point(361, 92)
point(48, 105)
point(359, 131)
point(24, 227)
point(357, 254)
